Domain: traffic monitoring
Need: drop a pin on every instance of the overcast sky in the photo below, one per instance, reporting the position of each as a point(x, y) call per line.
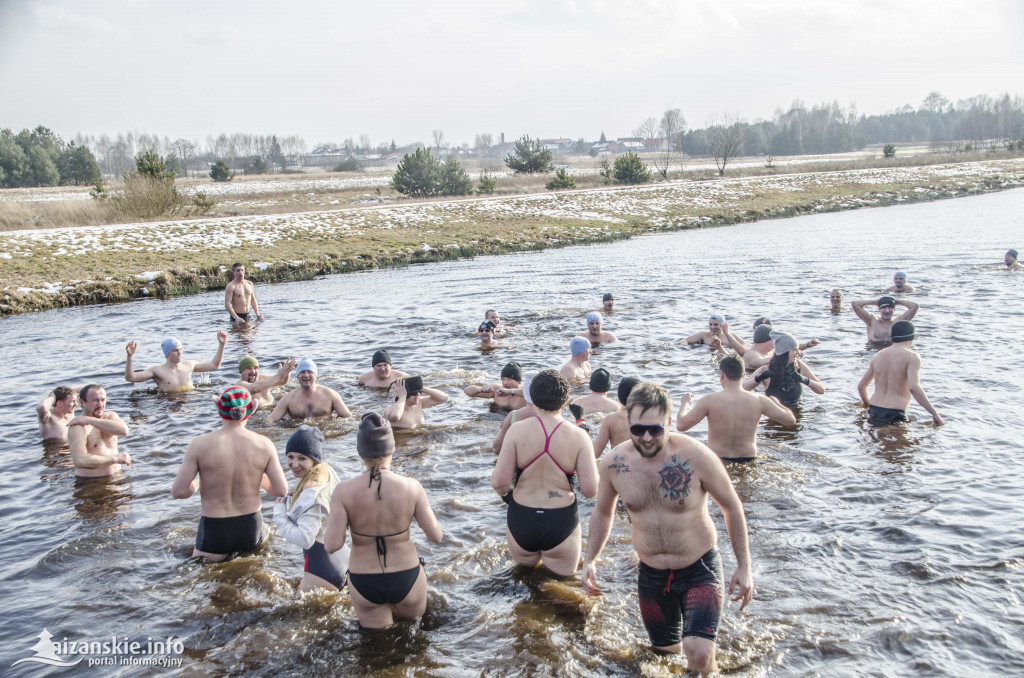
point(398, 69)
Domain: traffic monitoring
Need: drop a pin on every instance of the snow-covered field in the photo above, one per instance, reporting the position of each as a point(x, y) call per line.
point(660, 205)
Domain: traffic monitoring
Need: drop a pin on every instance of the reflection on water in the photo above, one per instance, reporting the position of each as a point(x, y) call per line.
point(877, 551)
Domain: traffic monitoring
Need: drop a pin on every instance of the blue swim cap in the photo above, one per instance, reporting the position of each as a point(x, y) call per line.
point(900, 274)
point(578, 345)
point(306, 364)
point(715, 316)
point(593, 317)
point(169, 344)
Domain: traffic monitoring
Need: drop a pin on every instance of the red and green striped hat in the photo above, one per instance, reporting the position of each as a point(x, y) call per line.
point(235, 404)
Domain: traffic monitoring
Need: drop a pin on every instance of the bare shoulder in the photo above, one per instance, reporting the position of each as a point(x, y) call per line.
point(697, 451)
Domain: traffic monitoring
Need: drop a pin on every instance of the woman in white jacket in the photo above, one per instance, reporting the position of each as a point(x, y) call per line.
point(301, 518)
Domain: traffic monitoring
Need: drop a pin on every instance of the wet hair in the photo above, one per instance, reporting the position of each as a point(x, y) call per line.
point(549, 391)
point(731, 367)
point(83, 395)
point(649, 396)
point(236, 265)
point(61, 392)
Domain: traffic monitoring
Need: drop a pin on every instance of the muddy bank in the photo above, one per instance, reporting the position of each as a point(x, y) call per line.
point(55, 268)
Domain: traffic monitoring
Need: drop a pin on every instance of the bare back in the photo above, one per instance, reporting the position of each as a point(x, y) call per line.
point(231, 465)
point(732, 422)
point(388, 515)
point(891, 369)
point(666, 499)
point(543, 482)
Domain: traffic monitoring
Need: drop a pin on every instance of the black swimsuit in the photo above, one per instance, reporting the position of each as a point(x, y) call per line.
point(789, 389)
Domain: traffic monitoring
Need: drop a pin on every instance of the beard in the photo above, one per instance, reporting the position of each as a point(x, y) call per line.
point(660, 444)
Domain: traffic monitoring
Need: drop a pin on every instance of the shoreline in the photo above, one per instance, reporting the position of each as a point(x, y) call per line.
point(73, 266)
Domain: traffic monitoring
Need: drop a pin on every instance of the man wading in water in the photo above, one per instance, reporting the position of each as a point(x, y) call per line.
point(664, 479)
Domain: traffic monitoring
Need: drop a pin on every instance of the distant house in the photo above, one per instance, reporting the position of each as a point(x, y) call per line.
point(630, 144)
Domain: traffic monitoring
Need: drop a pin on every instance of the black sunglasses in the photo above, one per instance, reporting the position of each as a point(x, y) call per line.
point(656, 430)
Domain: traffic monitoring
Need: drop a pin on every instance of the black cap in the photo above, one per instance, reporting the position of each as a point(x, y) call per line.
point(513, 371)
point(486, 325)
point(381, 356)
point(903, 331)
point(600, 380)
point(626, 387)
point(886, 301)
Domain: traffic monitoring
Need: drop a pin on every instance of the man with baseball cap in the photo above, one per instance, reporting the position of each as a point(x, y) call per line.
point(382, 375)
point(310, 400)
point(880, 327)
point(896, 371)
point(229, 466)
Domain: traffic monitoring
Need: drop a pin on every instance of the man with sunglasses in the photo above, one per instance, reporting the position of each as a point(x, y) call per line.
point(664, 479)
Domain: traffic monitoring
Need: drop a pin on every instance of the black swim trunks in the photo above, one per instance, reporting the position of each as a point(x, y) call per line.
point(884, 416)
point(318, 563)
point(684, 602)
point(235, 534)
point(541, 529)
point(244, 317)
point(737, 460)
point(384, 587)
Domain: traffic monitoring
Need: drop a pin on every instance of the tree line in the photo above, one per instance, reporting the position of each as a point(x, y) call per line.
point(41, 158)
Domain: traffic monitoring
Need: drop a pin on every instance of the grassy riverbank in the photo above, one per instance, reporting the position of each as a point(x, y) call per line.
point(50, 268)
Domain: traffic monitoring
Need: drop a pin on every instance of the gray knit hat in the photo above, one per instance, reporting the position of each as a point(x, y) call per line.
point(784, 343)
point(307, 440)
point(375, 439)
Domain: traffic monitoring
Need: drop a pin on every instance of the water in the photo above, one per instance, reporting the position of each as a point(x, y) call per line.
point(873, 554)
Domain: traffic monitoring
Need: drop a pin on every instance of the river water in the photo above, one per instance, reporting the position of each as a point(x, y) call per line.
point(887, 554)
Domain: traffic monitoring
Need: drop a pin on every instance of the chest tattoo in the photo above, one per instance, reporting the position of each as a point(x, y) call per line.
point(675, 479)
point(618, 465)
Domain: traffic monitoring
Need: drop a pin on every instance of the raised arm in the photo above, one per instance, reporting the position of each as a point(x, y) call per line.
point(284, 372)
point(812, 381)
point(751, 382)
point(211, 365)
point(737, 344)
point(687, 418)
point(129, 372)
point(425, 517)
point(911, 306)
point(186, 483)
point(43, 408)
point(436, 397)
point(600, 521)
point(862, 313)
point(718, 485)
point(773, 409)
point(109, 423)
point(916, 390)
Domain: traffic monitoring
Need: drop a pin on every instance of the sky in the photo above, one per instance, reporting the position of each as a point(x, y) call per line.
point(400, 69)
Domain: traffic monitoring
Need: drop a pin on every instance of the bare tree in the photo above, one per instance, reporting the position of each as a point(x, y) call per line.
point(439, 141)
point(725, 141)
point(482, 143)
point(365, 143)
point(672, 127)
point(647, 130)
point(184, 150)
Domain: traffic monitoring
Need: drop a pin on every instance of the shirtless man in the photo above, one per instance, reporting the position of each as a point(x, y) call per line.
point(490, 315)
point(310, 400)
point(594, 334)
point(880, 328)
point(615, 427)
point(608, 302)
point(382, 375)
point(259, 389)
point(175, 375)
point(486, 334)
point(899, 284)
point(896, 371)
point(1010, 259)
point(229, 466)
point(718, 330)
point(55, 411)
point(239, 295)
point(508, 394)
point(835, 299)
point(664, 479)
point(598, 400)
point(92, 436)
point(733, 414)
point(411, 398)
point(577, 368)
point(760, 352)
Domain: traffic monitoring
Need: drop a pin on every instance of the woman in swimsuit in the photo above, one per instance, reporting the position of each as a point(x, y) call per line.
point(301, 518)
point(385, 577)
point(785, 375)
point(543, 523)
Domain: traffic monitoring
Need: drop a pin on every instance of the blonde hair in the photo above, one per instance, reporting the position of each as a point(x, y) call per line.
point(316, 476)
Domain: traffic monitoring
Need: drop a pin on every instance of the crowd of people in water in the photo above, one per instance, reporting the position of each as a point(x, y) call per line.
point(356, 532)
